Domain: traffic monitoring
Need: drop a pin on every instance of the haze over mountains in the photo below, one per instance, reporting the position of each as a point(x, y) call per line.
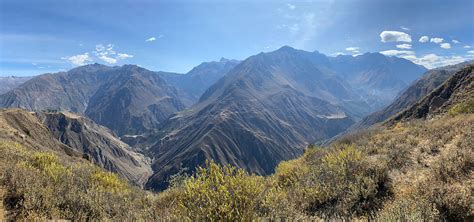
point(416, 91)
point(252, 114)
point(9, 82)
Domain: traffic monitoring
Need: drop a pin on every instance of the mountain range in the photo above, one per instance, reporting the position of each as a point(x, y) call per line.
point(126, 99)
point(252, 113)
point(265, 110)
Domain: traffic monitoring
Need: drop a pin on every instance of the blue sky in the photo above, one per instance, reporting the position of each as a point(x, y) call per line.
point(49, 36)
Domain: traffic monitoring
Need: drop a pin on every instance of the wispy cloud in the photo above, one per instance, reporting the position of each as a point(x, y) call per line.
point(353, 49)
point(467, 46)
point(337, 54)
point(433, 61)
point(304, 25)
point(437, 40)
point(455, 41)
point(424, 39)
point(395, 52)
point(78, 60)
point(404, 46)
point(291, 6)
point(124, 56)
point(151, 39)
point(105, 53)
point(394, 36)
point(404, 28)
point(445, 45)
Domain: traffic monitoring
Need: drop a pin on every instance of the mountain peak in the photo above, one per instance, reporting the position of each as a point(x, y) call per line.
point(286, 48)
point(224, 59)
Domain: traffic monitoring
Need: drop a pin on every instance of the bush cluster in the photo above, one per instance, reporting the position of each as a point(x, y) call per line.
point(40, 187)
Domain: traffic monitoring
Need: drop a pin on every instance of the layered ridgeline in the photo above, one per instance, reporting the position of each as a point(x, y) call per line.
point(194, 83)
point(455, 95)
point(272, 105)
point(74, 138)
point(417, 90)
point(127, 99)
point(417, 169)
point(9, 82)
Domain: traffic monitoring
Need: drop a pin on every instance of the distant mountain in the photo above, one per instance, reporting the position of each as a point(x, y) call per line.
point(194, 83)
point(127, 99)
point(267, 109)
point(458, 89)
point(376, 77)
point(9, 82)
point(70, 135)
point(416, 91)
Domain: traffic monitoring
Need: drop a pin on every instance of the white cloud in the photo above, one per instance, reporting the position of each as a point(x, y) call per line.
point(394, 52)
point(108, 54)
point(150, 39)
point(437, 40)
point(394, 36)
point(455, 41)
point(431, 61)
point(124, 56)
point(445, 45)
point(404, 46)
point(291, 6)
point(404, 28)
point(353, 49)
point(467, 47)
point(424, 39)
point(107, 59)
point(295, 28)
point(161, 36)
point(102, 52)
point(337, 54)
point(78, 60)
point(470, 51)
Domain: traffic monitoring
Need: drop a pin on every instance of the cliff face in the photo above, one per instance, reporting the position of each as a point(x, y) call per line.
point(76, 138)
point(458, 89)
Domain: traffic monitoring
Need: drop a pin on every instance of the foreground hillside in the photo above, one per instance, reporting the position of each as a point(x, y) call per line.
point(413, 171)
point(73, 138)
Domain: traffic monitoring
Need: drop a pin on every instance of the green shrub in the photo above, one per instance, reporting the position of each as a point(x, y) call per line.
point(40, 187)
point(220, 193)
point(408, 208)
point(467, 107)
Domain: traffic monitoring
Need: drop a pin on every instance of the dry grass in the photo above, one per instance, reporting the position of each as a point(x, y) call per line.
point(41, 186)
